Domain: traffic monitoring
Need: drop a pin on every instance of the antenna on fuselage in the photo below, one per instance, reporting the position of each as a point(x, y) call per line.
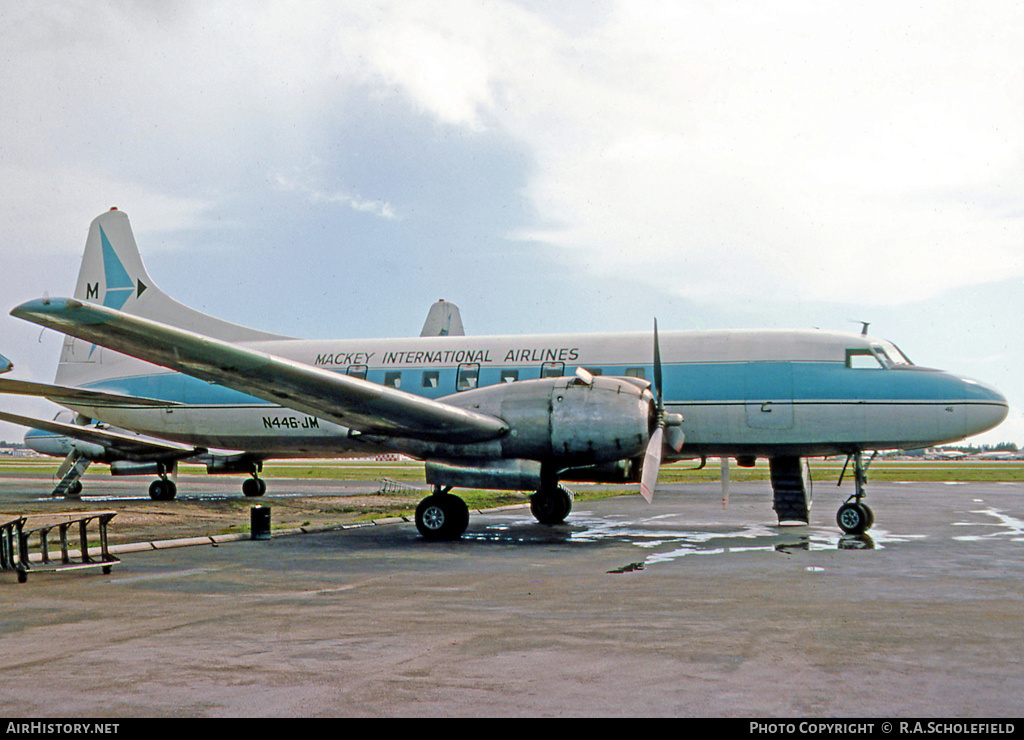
point(863, 326)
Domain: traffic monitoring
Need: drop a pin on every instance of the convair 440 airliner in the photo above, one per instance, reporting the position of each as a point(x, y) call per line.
point(153, 382)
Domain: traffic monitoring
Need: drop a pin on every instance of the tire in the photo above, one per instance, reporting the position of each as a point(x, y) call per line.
point(162, 490)
point(551, 506)
point(854, 518)
point(442, 517)
point(253, 487)
point(869, 516)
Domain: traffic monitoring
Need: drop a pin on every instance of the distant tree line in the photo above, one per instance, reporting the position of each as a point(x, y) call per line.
point(967, 449)
point(974, 450)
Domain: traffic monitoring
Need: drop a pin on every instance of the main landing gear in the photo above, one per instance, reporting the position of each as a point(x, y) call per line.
point(163, 488)
point(551, 504)
point(854, 516)
point(442, 516)
point(253, 487)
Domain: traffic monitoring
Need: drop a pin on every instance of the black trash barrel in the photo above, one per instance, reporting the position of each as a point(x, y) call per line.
point(259, 522)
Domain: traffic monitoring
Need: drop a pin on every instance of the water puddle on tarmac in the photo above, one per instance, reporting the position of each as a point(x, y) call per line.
point(667, 538)
point(995, 524)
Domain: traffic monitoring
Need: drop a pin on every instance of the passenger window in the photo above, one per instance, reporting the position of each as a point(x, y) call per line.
point(552, 370)
point(393, 378)
point(509, 376)
point(594, 370)
point(431, 378)
point(468, 377)
point(863, 359)
point(357, 371)
point(636, 372)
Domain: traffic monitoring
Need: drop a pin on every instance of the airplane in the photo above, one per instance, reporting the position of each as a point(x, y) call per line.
point(498, 412)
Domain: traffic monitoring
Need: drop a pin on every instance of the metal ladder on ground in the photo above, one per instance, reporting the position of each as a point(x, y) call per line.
point(16, 535)
point(387, 485)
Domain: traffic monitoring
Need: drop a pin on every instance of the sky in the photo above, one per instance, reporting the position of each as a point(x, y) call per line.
point(329, 170)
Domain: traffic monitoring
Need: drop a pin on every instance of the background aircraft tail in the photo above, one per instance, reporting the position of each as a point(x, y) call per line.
point(112, 274)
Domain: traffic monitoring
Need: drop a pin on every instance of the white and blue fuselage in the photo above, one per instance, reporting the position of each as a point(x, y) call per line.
point(741, 393)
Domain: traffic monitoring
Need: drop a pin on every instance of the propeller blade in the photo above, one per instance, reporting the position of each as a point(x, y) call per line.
point(657, 369)
point(652, 465)
point(585, 376)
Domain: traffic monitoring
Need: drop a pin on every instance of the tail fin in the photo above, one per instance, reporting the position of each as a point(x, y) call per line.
point(443, 320)
point(112, 274)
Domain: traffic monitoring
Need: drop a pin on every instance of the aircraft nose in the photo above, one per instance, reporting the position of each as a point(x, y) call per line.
point(988, 407)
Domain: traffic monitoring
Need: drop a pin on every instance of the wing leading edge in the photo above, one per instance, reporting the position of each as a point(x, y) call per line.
point(357, 404)
point(68, 396)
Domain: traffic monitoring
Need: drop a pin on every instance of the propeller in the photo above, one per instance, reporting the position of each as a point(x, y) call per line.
point(652, 457)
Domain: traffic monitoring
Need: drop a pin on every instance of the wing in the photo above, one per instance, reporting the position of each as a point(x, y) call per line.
point(128, 446)
point(68, 396)
point(352, 402)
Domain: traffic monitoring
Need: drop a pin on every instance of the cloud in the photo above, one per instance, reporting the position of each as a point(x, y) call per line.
point(821, 151)
point(302, 182)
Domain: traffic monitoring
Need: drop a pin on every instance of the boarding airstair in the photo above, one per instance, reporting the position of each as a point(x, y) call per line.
point(71, 471)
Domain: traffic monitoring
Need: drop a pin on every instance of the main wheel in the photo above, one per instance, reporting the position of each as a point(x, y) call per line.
point(551, 506)
point(162, 490)
point(254, 487)
point(854, 518)
point(442, 517)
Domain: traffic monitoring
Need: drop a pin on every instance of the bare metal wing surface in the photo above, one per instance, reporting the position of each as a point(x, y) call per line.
point(126, 446)
point(67, 395)
point(354, 403)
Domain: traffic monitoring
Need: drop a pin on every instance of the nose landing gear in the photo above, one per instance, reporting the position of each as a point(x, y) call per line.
point(854, 516)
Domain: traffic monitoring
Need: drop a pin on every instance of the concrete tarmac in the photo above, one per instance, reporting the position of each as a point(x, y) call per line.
point(681, 608)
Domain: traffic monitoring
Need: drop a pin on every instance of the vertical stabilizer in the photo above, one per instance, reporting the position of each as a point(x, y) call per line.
point(112, 274)
point(443, 320)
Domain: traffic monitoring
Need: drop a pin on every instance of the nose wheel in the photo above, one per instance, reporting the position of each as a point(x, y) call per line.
point(855, 518)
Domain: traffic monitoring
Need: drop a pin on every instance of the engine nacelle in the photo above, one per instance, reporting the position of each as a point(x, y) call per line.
point(228, 464)
point(91, 451)
point(124, 467)
point(563, 420)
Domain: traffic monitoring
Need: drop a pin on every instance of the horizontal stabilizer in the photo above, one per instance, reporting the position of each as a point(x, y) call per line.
point(352, 402)
point(123, 445)
point(68, 396)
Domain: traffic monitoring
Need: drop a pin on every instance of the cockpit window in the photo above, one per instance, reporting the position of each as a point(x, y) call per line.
point(893, 354)
point(863, 359)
